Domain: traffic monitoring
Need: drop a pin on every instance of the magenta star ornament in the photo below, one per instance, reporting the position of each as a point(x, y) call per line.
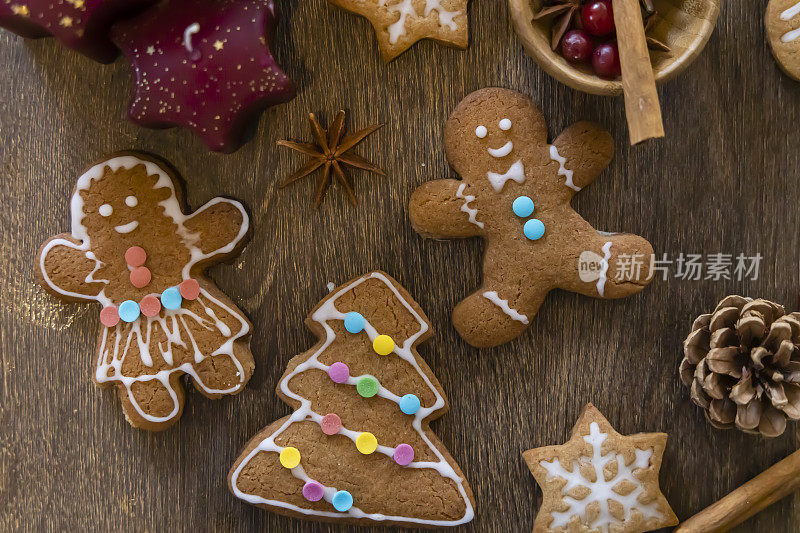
point(82, 25)
point(205, 65)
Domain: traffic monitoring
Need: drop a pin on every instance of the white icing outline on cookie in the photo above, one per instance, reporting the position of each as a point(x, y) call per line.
point(562, 169)
point(471, 211)
point(601, 281)
point(788, 15)
point(326, 312)
point(493, 297)
point(406, 8)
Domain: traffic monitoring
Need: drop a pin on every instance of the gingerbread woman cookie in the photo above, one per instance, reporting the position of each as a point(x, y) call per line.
point(515, 192)
point(782, 20)
point(134, 251)
point(401, 23)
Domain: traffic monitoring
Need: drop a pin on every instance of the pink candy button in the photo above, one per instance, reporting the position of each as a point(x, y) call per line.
point(150, 305)
point(331, 424)
point(135, 256)
point(140, 277)
point(109, 316)
point(189, 289)
point(313, 491)
point(339, 372)
point(403, 454)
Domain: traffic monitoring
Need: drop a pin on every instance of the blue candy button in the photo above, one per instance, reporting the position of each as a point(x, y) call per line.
point(129, 310)
point(171, 298)
point(342, 501)
point(533, 229)
point(354, 322)
point(523, 206)
point(409, 404)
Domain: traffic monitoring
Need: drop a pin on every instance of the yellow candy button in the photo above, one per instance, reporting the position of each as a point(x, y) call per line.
point(383, 344)
point(290, 457)
point(366, 443)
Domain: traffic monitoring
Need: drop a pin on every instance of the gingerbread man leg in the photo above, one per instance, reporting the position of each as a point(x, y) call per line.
point(152, 404)
point(501, 309)
point(223, 373)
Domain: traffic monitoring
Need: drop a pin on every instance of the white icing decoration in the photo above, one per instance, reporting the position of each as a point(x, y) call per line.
point(405, 8)
point(325, 313)
point(131, 201)
point(505, 124)
point(563, 170)
point(601, 280)
point(471, 211)
point(330, 286)
point(480, 132)
point(106, 210)
point(502, 151)
point(601, 491)
point(173, 323)
point(493, 297)
point(187, 36)
point(606, 233)
point(127, 228)
point(516, 172)
point(788, 15)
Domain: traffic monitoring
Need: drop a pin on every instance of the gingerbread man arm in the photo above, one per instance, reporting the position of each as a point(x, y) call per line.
point(222, 225)
point(622, 264)
point(583, 151)
point(441, 209)
point(65, 269)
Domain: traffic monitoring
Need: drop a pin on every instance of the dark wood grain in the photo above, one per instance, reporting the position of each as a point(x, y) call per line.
point(725, 179)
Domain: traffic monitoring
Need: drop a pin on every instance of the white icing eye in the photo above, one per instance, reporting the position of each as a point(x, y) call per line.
point(106, 210)
point(131, 201)
point(505, 124)
point(480, 132)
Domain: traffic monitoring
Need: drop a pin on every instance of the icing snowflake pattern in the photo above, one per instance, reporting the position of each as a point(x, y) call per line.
point(601, 490)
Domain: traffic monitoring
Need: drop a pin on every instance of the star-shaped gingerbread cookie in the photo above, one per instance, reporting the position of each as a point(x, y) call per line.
point(782, 20)
point(78, 24)
point(401, 23)
point(206, 65)
point(600, 480)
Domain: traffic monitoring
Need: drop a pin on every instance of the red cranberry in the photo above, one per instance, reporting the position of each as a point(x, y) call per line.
point(605, 61)
point(598, 17)
point(576, 46)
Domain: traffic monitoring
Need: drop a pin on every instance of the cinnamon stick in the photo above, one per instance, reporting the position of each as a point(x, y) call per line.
point(638, 81)
point(776, 482)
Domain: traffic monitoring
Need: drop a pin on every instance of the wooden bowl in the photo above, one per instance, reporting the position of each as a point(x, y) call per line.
point(683, 25)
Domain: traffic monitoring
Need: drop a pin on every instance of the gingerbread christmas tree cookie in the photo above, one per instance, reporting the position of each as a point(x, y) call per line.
point(600, 480)
point(134, 251)
point(401, 23)
point(515, 193)
point(782, 20)
point(357, 447)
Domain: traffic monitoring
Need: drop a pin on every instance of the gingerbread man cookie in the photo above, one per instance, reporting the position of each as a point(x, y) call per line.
point(782, 20)
point(600, 480)
point(515, 192)
point(134, 251)
point(401, 23)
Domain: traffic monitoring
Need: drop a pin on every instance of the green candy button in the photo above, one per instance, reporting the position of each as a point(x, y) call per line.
point(368, 386)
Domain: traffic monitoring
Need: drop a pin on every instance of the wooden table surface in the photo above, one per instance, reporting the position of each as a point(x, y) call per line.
point(724, 180)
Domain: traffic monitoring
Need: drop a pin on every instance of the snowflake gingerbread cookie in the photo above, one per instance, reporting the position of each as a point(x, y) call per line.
point(358, 447)
point(782, 20)
point(515, 192)
point(401, 23)
point(134, 251)
point(601, 481)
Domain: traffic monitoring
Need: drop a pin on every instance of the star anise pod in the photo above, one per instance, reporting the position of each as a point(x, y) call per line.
point(333, 153)
point(652, 42)
point(564, 11)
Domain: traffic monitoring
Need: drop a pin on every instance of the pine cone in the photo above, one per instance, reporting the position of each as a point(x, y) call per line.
point(742, 363)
